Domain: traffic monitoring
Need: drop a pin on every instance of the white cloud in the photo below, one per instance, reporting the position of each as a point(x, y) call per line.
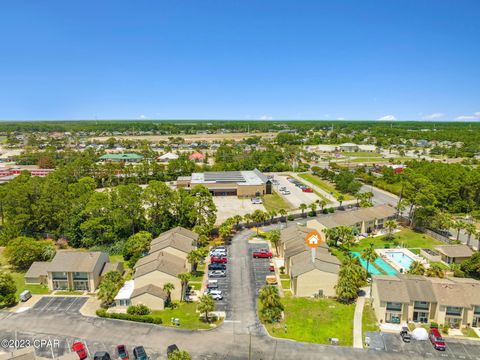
point(143, 117)
point(388, 117)
point(433, 116)
point(340, 118)
point(474, 117)
point(265, 117)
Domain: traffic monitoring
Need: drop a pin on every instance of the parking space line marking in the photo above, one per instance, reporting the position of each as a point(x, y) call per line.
point(48, 303)
point(86, 347)
point(73, 302)
point(51, 347)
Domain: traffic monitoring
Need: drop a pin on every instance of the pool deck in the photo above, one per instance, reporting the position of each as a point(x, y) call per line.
point(383, 253)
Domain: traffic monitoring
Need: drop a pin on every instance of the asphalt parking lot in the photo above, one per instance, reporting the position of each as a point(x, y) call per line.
point(259, 266)
point(456, 349)
point(297, 196)
point(225, 285)
point(53, 346)
point(70, 304)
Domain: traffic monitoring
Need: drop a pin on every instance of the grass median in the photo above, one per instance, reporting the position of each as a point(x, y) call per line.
point(325, 186)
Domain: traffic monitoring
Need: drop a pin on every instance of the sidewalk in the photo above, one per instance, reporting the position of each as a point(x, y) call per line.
point(357, 319)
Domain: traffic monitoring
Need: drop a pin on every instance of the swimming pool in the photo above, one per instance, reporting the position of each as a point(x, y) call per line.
point(372, 269)
point(400, 258)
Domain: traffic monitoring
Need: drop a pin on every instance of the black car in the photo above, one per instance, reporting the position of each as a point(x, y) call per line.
point(101, 355)
point(140, 353)
point(172, 348)
point(217, 266)
point(405, 334)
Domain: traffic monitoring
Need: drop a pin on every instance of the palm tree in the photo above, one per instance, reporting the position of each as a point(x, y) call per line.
point(332, 235)
point(435, 271)
point(459, 225)
point(237, 219)
point(184, 278)
point(258, 216)
point(206, 305)
point(322, 203)
point(390, 225)
point(416, 268)
point(269, 296)
point(340, 199)
point(302, 207)
point(470, 229)
point(283, 213)
point(193, 257)
point(272, 213)
point(247, 218)
point(313, 207)
point(345, 236)
point(168, 288)
point(274, 237)
point(369, 255)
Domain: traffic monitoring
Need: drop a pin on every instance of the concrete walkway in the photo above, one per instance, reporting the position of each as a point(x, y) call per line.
point(357, 319)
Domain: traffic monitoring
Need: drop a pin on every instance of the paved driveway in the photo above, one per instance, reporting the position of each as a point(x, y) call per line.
point(70, 304)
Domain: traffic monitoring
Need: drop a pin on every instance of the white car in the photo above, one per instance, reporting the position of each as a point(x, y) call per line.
point(218, 253)
point(217, 273)
point(285, 192)
point(257, 201)
point(213, 292)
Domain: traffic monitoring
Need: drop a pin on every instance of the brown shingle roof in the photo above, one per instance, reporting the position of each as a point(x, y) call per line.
point(150, 289)
point(178, 238)
point(76, 261)
point(350, 218)
point(419, 288)
point(158, 255)
point(449, 293)
point(164, 265)
point(454, 251)
point(323, 262)
point(391, 289)
point(37, 269)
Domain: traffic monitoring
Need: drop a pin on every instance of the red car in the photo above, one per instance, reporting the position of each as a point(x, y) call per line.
point(122, 352)
point(436, 339)
point(309, 190)
point(216, 259)
point(264, 254)
point(79, 348)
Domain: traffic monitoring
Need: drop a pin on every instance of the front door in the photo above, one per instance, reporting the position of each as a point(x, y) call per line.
point(476, 321)
point(420, 316)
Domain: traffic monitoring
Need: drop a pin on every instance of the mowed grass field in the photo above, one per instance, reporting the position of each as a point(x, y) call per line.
point(187, 313)
point(276, 202)
point(406, 238)
point(324, 185)
point(315, 321)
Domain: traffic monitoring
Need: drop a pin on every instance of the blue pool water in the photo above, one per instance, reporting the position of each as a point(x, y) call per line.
point(379, 262)
point(400, 258)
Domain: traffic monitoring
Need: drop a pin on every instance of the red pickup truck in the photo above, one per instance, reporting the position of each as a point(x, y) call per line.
point(216, 259)
point(264, 254)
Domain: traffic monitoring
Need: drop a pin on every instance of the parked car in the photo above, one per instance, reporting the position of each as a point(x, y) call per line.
point(172, 348)
point(140, 353)
point(307, 190)
point(215, 294)
point(218, 259)
point(217, 273)
point(101, 355)
point(213, 291)
point(271, 280)
point(79, 348)
point(436, 339)
point(271, 267)
point(218, 253)
point(263, 253)
point(217, 266)
point(212, 284)
point(25, 295)
point(285, 192)
point(257, 201)
point(282, 188)
point(122, 352)
point(405, 334)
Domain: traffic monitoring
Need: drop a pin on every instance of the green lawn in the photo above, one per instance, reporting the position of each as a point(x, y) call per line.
point(197, 276)
point(329, 188)
point(469, 332)
point(186, 312)
point(276, 202)
point(68, 292)
point(285, 284)
point(20, 283)
point(405, 238)
point(369, 320)
point(315, 320)
point(116, 258)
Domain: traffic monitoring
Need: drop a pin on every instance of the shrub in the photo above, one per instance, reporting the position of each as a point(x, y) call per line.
point(290, 217)
point(312, 213)
point(282, 270)
point(325, 211)
point(139, 309)
point(433, 324)
point(139, 318)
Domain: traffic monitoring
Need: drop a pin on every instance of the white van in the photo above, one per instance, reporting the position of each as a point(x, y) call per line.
point(25, 295)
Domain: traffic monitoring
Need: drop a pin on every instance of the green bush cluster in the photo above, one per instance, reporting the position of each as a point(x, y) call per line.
point(139, 309)
point(139, 318)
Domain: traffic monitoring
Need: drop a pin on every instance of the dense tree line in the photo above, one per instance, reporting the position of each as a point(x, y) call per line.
point(57, 207)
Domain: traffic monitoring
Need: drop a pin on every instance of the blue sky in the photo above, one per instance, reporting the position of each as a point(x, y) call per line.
point(263, 59)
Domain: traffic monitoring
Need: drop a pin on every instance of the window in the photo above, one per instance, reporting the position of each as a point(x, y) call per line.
point(80, 276)
point(59, 275)
point(393, 306)
point(454, 311)
point(423, 305)
point(476, 309)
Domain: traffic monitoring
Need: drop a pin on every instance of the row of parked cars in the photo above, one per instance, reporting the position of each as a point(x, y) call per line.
point(216, 269)
point(121, 352)
point(433, 335)
point(300, 185)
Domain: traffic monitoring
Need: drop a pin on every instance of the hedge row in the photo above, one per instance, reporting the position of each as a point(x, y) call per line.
point(139, 318)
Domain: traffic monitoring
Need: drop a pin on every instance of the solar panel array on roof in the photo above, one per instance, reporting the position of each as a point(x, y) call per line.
point(224, 176)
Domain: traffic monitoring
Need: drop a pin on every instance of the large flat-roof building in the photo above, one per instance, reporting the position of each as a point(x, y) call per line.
point(235, 183)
